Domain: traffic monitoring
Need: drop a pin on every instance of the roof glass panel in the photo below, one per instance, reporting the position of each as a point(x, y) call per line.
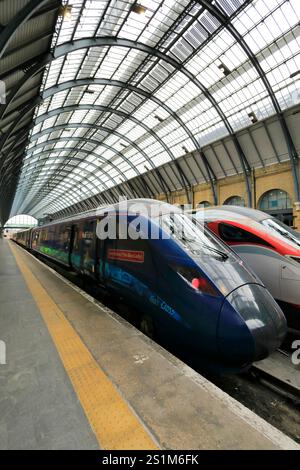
point(219, 66)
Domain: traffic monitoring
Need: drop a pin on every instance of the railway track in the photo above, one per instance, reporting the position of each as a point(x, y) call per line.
point(281, 372)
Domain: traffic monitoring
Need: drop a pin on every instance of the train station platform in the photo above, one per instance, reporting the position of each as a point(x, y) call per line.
point(77, 376)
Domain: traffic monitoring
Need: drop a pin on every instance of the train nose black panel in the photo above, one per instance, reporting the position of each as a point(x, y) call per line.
point(263, 317)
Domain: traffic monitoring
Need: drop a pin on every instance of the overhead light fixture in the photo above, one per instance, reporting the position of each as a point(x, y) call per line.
point(66, 12)
point(185, 149)
point(253, 117)
point(138, 9)
point(293, 75)
point(123, 145)
point(90, 92)
point(226, 71)
point(160, 119)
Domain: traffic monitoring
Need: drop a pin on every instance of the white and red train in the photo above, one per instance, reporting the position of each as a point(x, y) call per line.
point(268, 246)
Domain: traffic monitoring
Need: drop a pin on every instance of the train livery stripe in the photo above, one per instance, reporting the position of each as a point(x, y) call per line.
point(115, 425)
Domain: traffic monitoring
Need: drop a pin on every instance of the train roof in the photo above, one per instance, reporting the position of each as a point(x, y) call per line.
point(233, 213)
point(151, 206)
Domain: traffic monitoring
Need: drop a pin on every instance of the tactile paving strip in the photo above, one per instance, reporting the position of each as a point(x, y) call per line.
point(113, 422)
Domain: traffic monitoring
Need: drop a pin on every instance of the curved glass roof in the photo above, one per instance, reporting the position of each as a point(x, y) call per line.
point(134, 85)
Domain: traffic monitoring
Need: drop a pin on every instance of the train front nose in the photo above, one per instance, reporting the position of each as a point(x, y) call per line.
point(251, 326)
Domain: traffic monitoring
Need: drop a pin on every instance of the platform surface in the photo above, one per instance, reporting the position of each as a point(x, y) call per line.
point(79, 377)
point(38, 406)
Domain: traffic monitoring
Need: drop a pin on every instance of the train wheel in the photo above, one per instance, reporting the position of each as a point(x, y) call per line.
point(147, 326)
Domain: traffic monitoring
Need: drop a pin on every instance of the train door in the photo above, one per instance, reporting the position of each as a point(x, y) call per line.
point(100, 263)
point(83, 255)
point(107, 270)
point(75, 256)
point(63, 243)
point(129, 269)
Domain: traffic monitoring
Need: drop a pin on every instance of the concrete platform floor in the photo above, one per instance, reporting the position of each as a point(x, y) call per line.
point(127, 390)
point(38, 406)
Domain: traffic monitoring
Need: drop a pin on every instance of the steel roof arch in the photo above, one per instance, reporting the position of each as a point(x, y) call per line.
point(216, 11)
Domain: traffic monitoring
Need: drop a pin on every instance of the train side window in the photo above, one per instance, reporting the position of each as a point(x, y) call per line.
point(230, 233)
point(76, 239)
point(75, 254)
point(64, 238)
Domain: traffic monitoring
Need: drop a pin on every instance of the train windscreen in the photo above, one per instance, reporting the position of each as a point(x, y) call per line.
point(282, 230)
point(216, 259)
point(194, 236)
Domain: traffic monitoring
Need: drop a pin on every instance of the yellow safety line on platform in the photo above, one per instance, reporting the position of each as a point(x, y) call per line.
point(114, 423)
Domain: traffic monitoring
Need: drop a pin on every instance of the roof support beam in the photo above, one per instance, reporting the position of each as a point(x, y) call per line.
point(82, 205)
point(63, 173)
point(229, 156)
point(32, 42)
point(225, 21)
point(87, 107)
point(103, 109)
point(256, 148)
point(89, 126)
point(9, 31)
point(246, 170)
point(66, 48)
point(271, 141)
point(42, 145)
point(107, 130)
point(57, 199)
point(68, 194)
point(105, 82)
point(31, 166)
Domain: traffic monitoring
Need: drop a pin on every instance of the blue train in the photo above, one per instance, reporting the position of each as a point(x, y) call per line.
point(189, 287)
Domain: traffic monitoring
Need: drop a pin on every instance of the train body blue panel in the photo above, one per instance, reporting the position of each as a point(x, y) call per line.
point(198, 293)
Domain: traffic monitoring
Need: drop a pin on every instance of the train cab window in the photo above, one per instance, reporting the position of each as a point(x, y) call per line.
point(191, 235)
point(282, 230)
point(230, 233)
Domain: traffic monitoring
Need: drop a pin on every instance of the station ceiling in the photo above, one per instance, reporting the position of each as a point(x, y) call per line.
point(122, 97)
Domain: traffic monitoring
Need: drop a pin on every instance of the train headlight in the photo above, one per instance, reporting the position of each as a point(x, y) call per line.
point(194, 278)
point(203, 285)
